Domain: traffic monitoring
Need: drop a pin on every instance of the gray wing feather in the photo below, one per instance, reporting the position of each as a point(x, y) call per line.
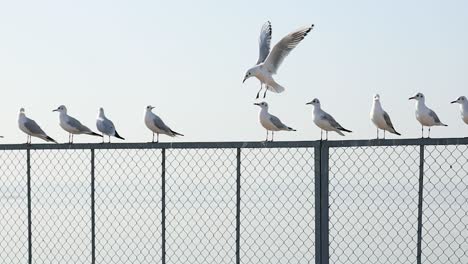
point(277, 123)
point(33, 127)
point(434, 116)
point(284, 47)
point(161, 125)
point(387, 120)
point(77, 124)
point(108, 126)
point(331, 120)
point(264, 42)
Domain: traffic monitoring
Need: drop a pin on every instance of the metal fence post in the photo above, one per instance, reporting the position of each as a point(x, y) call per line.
point(318, 211)
point(163, 205)
point(322, 227)
point(238, 205)
point(28, 171)
point(93, 212)
point(420, 203)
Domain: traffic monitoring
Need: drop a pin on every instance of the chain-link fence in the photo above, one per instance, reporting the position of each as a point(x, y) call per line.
point(378, 201)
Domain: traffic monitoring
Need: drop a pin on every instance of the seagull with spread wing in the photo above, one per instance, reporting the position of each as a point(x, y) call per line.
point(269, 62)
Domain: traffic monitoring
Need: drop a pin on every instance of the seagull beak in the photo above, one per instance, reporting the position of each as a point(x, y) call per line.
point(245, 78)
point(453, 102)
point(256, 104)
point(308, 103)
point(411, 98)
point(55, 110)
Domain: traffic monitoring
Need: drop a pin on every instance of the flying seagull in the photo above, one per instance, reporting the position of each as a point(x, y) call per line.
point(31, 128)
point(425, 115)
point(71, 125)
point(380, 118)
point(325, 121)
point(106, 127)
point(269, 62)
point(271, 122)
point(156, 125)
point(463, 107)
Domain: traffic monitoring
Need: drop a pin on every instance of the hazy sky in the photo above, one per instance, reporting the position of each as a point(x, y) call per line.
point(189, 58)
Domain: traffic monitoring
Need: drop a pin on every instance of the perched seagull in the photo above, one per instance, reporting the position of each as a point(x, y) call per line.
point(380, 118)
point(271, 122)
point(269, 62)
point(325, 121)
point(71, 125)
point(156, 125)
point(463, 108)
point(106, 127)
point(31, 128)
point(425, 115)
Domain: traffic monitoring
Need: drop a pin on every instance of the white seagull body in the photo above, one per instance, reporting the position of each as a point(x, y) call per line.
point(106, 126)
point(31, 128)
point(325, 121)
point(72, 125)
point(156, 125)
point(269, 62)
point(463, 108)
point(380, 118)
point(425, 115)
point(271, 122)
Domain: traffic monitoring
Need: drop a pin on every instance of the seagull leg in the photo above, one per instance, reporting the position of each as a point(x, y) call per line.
point(258, 93)
point(429, 134)
point(157, 141)
point(377, 133)
point(321, 134)
point(266, 140)
point(153, 138)
point(266, 89)
point(384, 134)
point(72, 138)
point(422, 131)
point(272, 135)
point(326, 133)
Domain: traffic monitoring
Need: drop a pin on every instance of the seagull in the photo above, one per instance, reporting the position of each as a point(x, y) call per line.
point(269, 62)
point(380, 118)
point(325, 121)
point(156, 125)
point(463, 108)
point(425, 115)
point(31, 128)
point(106, 127)
point(71, 125)
point(271, 122)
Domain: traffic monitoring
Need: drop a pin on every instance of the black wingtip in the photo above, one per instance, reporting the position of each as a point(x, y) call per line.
point(176, 133)
point(346, 130)
point(396, 133)
point(118, 136)
point(51, 140)
point(95, 134)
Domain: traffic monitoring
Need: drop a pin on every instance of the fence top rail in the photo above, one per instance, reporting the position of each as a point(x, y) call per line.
point(250, 144)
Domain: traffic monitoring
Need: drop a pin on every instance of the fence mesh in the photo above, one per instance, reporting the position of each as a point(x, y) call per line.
point(60, 199)
point(277, 206)
point(13, 207)
point(445, 211)
point(373, 204)
point(128, 206)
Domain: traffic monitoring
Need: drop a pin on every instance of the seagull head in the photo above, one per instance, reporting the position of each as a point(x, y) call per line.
point(376, 97)
point(60, 109)
point(263, 105)
point(248, 74)
point(315, 102)
point(418, 97)
point(149, 108)
point(460, 100)
point(101, 111)
point(22, 110)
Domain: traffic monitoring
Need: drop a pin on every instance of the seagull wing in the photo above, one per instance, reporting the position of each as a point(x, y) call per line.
point(284, 47)
point(387, 120)
point(33, 127)
point(264, 42)
point(434, 116)
point(277, 122)
point(161, 125)
point(77, 125)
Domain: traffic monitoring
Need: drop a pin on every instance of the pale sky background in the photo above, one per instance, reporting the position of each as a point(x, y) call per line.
point(189, 58)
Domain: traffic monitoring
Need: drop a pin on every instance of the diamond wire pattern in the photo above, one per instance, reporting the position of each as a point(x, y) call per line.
point(13, 207)
point(373, 204)
point(277, 206)
point(60, 195)
point(128, 206)
point(201, 205)
point(445, 210)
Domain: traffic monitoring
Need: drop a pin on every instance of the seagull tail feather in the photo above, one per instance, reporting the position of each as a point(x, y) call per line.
point(118, 136)
point(47, 138)
point(291, 129)
point(94, 134)
point(176, 134)
point(345, 130)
